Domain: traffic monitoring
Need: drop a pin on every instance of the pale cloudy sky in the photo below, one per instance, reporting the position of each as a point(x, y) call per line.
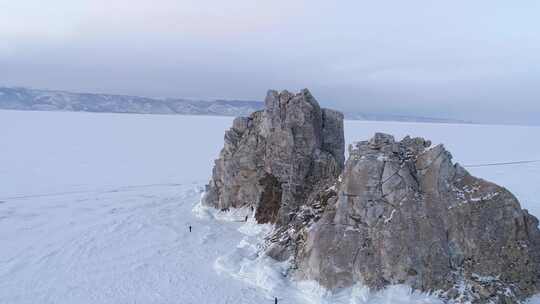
point(477, 60)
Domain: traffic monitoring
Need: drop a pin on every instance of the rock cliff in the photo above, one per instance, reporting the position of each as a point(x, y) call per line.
point(397, 212)
point(273, 159)
point(405, 214)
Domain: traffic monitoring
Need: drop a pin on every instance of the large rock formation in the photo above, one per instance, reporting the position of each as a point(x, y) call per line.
point(275, 158)
point(399, 213)
point(403, 214)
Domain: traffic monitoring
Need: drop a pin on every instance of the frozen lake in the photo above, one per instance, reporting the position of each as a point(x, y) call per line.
point(94, 208)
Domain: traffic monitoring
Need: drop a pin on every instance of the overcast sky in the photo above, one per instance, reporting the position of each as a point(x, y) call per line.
point(477, 60)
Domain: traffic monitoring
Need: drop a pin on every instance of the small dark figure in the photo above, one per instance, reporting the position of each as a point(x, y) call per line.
point(246, 218)
point(275, 300)
point(189, 228)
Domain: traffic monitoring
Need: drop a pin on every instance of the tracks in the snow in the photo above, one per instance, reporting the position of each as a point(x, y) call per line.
point(503, 163)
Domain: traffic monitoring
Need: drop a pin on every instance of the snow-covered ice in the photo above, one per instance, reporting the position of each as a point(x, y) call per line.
point(95, 208)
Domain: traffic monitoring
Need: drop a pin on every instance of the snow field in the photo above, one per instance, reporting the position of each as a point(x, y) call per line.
point(95, 208)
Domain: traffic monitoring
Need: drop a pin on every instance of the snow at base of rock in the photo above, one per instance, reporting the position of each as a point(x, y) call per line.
point(245, 264)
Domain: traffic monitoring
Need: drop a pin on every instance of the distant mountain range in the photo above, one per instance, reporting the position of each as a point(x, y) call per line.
point(17, 98)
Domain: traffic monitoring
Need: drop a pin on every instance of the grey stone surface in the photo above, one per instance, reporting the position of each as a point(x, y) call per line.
point(395, 213)
point(404, 214)
point(272, 160)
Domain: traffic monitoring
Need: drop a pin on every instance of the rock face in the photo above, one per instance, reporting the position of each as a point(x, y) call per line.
point(275, 158)
point(403, 214)
point(399, 213)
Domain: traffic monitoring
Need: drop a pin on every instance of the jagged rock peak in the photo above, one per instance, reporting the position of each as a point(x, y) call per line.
point(405, 214)
point(272, 160)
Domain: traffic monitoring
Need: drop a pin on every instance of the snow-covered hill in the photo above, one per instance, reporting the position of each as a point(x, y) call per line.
point(97, 209)
point(47, 100)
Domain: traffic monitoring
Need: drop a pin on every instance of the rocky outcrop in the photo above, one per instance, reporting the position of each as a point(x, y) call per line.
point(404, 214)
point(395, 213)
point(273, 159)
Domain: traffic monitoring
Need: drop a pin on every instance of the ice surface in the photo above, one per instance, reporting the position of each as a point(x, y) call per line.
point(52, 152)
point(95, 208)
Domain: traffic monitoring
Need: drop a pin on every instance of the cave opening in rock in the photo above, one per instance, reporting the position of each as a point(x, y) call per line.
point(270, 201)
